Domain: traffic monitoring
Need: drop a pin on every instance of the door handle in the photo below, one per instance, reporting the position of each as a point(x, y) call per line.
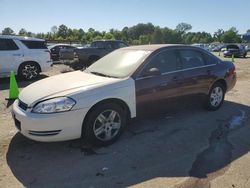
point(175, 78)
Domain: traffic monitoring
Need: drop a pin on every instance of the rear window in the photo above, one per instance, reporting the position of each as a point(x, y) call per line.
point(233, 47)
point(34, 44)
point(210, 59)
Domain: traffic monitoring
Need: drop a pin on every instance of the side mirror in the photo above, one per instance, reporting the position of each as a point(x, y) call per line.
point(152, 72)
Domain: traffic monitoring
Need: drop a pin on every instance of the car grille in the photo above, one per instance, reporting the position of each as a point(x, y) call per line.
point(22, 105)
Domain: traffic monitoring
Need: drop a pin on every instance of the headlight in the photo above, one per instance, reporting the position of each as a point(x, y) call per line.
point(60, 104)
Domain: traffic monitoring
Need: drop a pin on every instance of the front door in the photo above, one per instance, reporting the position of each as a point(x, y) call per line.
point(152, 89)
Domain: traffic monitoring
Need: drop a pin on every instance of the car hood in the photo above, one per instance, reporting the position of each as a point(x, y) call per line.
point(60, 85)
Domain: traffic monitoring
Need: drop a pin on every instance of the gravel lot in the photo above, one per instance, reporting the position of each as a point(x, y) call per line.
point(187, 147)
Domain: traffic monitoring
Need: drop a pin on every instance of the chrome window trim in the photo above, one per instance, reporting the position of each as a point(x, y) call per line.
point(166, 73)
point(176, 48)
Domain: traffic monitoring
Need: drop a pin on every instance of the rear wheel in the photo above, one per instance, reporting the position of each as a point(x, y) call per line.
point(29, 71)
point(77, 65)
point(104, 124)
point(216, 96)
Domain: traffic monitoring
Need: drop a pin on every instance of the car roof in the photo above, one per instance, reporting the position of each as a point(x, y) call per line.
point(153, 47)
point(20, 38)
point(107, 40)
point(59, 44)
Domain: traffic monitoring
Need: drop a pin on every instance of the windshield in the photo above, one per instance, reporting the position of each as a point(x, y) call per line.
point(120, 63)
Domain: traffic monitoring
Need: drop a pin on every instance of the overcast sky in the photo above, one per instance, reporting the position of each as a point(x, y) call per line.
point(204, 15)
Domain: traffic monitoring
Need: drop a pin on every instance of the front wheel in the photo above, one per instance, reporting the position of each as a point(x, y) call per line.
point(104, 124)
point(216, 97)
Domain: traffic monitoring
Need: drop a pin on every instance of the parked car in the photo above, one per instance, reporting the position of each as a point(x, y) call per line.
point(203, 46)
point(236, 50)
point(219, 48)
point(27, 57)
point(96, 50)
point(67, 54)
point(97, 103)
point(55, 50)
point(247, 47)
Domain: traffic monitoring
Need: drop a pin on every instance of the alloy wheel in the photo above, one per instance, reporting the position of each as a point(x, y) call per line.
point(30, 71)
point(107, 125)
point(216, 96)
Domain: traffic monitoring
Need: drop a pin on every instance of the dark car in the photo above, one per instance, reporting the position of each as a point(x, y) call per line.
point(97, 102)
point(95, 51)
point(55, 50)
point(236, 50)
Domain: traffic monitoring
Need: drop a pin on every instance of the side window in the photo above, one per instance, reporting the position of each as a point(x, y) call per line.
point(7, 44)
point(69, 47)
point(34, 44)
point(210, 59)
point(122, 45)
point(191, 58)
point(97, 45)
point(108, 45)
point(165, 61)
point(57, 48)
point(93, 44)
point(62, 47)
point(119, 45)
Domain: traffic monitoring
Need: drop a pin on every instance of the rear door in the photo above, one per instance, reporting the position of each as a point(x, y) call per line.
point(197, 74)
point(154, 89)
point(9, 54)
point(36, 50)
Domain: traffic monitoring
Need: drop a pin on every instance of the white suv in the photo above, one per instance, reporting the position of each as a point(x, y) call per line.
point(27, 57)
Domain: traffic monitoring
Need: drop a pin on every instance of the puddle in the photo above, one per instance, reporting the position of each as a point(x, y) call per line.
point(219, 152)
point(237, 121)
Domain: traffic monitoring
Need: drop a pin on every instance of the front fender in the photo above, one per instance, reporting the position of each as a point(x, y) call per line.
point(124, 91)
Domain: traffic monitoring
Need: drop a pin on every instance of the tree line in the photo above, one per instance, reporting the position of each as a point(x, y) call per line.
point(135, 35)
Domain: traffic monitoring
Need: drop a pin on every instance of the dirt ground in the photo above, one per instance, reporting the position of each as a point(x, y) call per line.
point(184, 148)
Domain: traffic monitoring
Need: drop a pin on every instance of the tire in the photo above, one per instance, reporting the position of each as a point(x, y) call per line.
point(104, 124)
point(29, 71)
point(215, 97)
point(76, 65)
